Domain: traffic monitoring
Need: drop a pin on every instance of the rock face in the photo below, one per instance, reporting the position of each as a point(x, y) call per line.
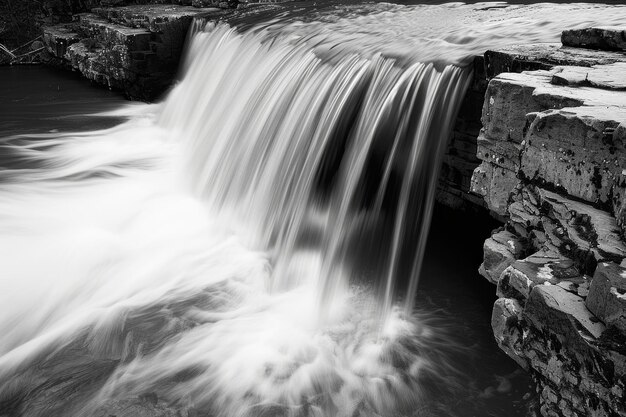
point(133, 48)
point(553, 167)
point(455, 184)
point(460, 159)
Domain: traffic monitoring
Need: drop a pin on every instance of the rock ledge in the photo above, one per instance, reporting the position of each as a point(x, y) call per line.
point(553, 166)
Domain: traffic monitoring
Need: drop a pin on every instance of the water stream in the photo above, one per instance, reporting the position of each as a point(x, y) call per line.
point(252, 245)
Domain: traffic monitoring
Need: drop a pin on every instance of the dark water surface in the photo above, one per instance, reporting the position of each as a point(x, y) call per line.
point(450, 284)
point(39, 99)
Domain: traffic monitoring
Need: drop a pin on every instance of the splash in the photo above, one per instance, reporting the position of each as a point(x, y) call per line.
point(329, 148)
point(237, 250)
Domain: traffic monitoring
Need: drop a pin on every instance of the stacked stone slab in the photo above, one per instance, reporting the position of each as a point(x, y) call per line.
point(553, 167)
point(454, 188)
point(134, 48)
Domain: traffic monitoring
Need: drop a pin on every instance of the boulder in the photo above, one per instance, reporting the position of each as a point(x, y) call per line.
point(603, 38)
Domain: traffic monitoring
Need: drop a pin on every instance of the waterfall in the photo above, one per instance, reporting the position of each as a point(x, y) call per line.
point(252, 245)
point(308, 150)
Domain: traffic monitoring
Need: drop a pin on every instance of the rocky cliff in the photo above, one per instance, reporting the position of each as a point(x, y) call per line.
point(553, 167)
point(134, 48)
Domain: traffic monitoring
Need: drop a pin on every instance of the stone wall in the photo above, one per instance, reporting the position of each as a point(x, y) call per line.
point(553, 167)
point(134, 48)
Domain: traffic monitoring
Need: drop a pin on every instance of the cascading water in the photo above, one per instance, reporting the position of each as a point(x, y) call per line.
point(219, 252)
point(330, 147)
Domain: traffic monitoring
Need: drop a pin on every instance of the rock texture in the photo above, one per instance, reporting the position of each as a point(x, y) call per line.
point(553, 167)
point(134, 48)
point(460, 159)
point(455, 189)
point(607, 38)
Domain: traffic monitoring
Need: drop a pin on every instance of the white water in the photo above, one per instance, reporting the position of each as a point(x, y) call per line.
point(216, 249)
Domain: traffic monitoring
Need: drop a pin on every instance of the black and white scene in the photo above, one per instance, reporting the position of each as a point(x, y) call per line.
point(312, 208)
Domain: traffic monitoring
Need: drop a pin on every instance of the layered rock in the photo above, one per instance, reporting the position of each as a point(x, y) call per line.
point(133, 48)
point(553, 168)
point(455, 189)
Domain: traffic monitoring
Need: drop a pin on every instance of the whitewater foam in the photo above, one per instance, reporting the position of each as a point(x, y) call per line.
point(212, 254)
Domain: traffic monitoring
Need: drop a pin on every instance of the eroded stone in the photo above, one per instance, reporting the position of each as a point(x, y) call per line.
point(505, 322)
point(495, 184)
point(607, 295)
point(518, 280)
point(550, 306)
point(610, 76)
point(502, 249)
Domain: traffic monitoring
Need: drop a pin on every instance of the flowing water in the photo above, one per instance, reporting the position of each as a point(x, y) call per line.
point(239, 248)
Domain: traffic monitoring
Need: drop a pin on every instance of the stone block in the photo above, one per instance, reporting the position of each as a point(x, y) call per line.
point(579, 227)
point(495, 184)
point(500, 250)
point(560, 311)
point(518, 280)
point(505, 322)
point(106, 33)
point(603, 38)
point(519, 58)
point(575, 149)
point(58, 38)
point(607, 295)
point(507, 101)
point(500, 153)
point(610, 76)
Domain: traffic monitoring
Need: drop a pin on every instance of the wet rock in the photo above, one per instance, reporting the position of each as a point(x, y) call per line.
point(495, 184)
point(520, 58)
point(58, 38)
point(509, 98)
point(505, 322)
point(504, 154)
point(454, 187)
point(575, 148)
point(134, 48)
point(554, 168)
point(565, 138)
point(564, 313)
point(502, 249)
point(607, 295)
point(579, 229)
point(541, 268)
point(603, 38)
point(611, 76)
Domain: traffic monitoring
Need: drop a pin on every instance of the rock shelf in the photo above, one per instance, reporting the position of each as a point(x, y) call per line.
point(134, 48)
point(553, 167)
